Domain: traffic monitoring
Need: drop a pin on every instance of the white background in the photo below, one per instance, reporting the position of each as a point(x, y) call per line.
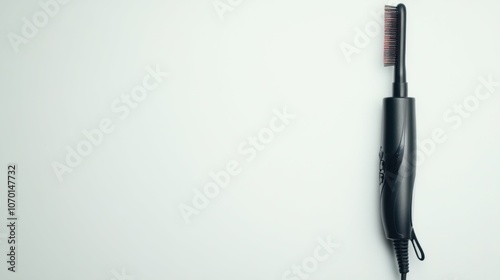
point(117, 213)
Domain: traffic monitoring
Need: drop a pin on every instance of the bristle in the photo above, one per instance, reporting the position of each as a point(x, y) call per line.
point(390, 35)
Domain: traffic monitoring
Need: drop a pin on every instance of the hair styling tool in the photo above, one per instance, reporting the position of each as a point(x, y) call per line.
point(398, 151)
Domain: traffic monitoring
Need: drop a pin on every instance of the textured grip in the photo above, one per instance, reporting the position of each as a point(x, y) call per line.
point(397, 166)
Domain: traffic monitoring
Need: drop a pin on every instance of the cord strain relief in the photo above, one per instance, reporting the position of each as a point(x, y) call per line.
point(401, 250)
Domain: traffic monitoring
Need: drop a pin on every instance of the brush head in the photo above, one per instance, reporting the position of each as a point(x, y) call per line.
point(391, 31)
point(395, 46)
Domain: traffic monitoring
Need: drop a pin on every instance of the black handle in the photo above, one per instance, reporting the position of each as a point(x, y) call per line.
point(397, 167)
